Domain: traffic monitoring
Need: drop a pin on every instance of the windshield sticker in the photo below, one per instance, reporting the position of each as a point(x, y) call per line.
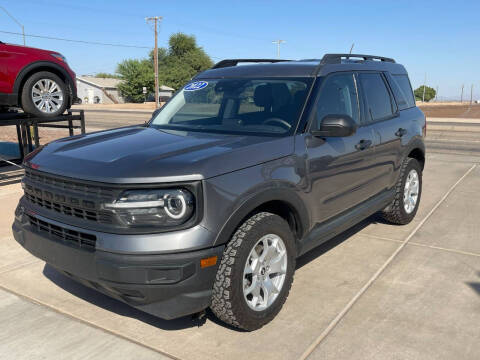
point(197, 85)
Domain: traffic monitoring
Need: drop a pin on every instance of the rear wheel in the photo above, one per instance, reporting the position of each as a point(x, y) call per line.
point(408, 191)
point(256, 272)
point(44, 94)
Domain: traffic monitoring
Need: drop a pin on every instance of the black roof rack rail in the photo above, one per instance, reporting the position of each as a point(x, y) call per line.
point(337, 58)
point(234, 62)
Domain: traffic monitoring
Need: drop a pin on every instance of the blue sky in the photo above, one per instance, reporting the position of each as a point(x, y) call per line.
point(441, 38)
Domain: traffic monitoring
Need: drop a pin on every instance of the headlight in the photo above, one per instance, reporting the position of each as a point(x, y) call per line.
point(59, 56)
point(161, 207)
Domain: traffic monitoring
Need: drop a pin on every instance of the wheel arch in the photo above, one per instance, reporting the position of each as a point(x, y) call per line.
point(416, 150)
point(282, 202)
point(38, 66)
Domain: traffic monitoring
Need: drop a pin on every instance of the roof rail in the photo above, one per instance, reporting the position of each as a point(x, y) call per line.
point(234, 62)
point(337, 58)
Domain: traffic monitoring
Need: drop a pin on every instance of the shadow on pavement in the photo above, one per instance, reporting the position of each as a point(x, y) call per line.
point(475, 285)
point(103, 301)
point(337, 240)
point(98, 299)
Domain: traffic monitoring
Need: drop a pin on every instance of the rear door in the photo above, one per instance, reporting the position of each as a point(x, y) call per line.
point(381, 112)
point(339, 169)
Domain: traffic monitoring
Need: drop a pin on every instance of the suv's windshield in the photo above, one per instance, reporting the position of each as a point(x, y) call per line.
point(236, 106)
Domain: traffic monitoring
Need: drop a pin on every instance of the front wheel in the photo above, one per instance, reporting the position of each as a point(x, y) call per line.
point(44, 94)
point(256, 272)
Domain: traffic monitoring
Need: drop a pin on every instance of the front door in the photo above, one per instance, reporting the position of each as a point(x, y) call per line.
point(5, 57)
point(339, 169)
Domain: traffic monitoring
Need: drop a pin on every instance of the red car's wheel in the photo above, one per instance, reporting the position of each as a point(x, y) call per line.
point(44, 94)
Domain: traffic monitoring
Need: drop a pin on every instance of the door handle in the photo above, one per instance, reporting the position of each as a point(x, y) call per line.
point(400, 132)
point(363, 144)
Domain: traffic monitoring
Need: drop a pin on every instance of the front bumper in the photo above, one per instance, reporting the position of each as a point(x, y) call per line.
point(165, 285)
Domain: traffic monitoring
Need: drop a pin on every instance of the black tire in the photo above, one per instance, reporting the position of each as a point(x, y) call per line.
point(27, 101)
point(395, 213)
point(228, 302)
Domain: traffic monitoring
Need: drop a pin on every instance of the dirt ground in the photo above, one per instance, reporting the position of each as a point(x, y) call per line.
point(451, 111)
point(46, 135)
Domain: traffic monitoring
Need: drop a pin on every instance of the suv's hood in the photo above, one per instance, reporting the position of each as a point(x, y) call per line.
point(141, 155)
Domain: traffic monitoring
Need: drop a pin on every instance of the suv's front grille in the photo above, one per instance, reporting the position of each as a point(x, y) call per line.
point(62, 208)
point(68, 197)
point(60, 183)
point(76, 238)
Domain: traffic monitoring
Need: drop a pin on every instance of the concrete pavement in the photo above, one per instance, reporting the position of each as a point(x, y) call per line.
point(31, 331)
point(377, 291)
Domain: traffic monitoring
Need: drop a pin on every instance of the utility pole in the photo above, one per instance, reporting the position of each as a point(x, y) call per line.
point(436, 94)
point(18, 23)
point(155, 19)
point(461, 97)
point(278, 42)
point(424, 86)
point(471, 95)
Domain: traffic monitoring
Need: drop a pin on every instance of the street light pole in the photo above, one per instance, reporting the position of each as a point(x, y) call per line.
point(424, 86)
point(18, 23)
point(278, 42)
point(156, 19)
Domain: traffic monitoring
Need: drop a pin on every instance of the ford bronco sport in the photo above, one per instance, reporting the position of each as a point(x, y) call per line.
point(244, 170)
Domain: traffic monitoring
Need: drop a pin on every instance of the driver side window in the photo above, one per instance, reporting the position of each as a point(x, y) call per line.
point(338, 96)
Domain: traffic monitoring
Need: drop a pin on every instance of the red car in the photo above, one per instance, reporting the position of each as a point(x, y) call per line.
point(39, 81)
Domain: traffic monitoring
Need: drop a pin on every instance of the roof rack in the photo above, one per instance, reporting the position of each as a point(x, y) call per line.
point(235, 62)
point(337, 58)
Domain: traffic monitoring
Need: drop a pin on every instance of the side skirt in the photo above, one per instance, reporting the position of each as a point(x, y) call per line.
point(8, 99)
point(331, 228)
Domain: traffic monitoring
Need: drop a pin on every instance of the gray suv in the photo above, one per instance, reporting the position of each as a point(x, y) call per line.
point(244, 170)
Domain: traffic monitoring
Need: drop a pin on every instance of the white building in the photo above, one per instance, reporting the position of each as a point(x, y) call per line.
point(93, 90)
point(165, 92)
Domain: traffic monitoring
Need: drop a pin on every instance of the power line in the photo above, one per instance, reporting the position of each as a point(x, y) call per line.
point(18, 23)
point(76, 41)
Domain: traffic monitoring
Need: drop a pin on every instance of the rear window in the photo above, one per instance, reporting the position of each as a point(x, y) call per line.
point(403, 91)
point(379, 101)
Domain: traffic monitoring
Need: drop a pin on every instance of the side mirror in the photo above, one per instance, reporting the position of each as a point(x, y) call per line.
point(336, 126)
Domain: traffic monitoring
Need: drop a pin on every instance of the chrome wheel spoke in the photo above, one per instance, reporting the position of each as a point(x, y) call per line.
point(253, 287)
point(269, 291)
point(277, 264)
point(268, 250)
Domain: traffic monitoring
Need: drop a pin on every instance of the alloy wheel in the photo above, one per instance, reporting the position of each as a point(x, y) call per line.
point(47, 96)
point(410, 192)
point(265, 272)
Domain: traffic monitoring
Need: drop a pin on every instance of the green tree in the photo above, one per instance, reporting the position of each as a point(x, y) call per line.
point(181, 61)
point(429, 93)
point(136, 74)
point(107, 75)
